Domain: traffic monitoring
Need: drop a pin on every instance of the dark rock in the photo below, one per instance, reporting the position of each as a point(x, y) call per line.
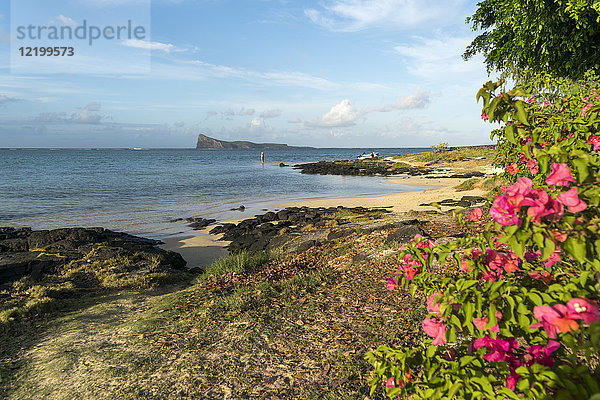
point(270, 216)
point(404, 234)
point(361, 167)
point(35, 253)
point(240, 208)
point(221, 228)
point(473, 200)
point(304, 246)
point(340, 233)
point(283, 165)
point(265, 231)
point(200, 223)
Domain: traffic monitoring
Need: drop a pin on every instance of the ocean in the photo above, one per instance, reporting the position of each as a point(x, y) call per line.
point(143, 191)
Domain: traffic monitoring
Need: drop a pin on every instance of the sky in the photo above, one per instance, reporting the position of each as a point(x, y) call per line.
point(328, 73)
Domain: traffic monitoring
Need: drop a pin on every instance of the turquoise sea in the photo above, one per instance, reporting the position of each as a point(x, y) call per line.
point(142, 191)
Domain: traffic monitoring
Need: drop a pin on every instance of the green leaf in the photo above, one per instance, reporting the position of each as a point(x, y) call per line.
point(468, 309)
point(581, 164)
point(575, 246)
point(431, 351)
point(535, 298)
point(521, 113)
point(548, 248)
point(455, 388)
point(509, 133)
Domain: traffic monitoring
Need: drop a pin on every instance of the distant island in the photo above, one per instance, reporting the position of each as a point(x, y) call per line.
point(205, 142)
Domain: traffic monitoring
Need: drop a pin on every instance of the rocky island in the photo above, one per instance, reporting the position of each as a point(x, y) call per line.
point(205, 142)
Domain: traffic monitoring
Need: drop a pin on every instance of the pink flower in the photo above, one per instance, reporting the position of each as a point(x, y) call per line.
point(571, 200)
point(583, 309)
point(511, 381)
point(465, 266)
point(501, 349)
point(512, 169)
point(538, 354)
point(476, 215)
point(391, 285)
point(522, 158)
point(516, 192)
point(391, 383)
point(559, 236)
point(533, 166)
point(496, 260)
point(544, 276)
point(594, 140)
point(585, 108)
point(560, 175)
point(503, 212)
point(484, 116)
point(436, 329)
point(552, 259)
point(433, 306)
point(542, 206)
point(410, 273)
point(554, 319)
point(480, 323)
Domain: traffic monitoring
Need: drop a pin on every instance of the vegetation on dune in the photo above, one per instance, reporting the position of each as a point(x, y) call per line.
point(457, 158)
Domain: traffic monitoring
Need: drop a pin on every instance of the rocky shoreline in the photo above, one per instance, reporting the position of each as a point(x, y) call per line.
point(24, 252)
point(379, 167)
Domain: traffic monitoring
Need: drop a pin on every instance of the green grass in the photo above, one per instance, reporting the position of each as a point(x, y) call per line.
point(237, 262)
point(463, 158)
point(469, 184)
point(27, 297)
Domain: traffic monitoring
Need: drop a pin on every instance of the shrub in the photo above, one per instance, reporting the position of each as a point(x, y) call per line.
point(520, 317)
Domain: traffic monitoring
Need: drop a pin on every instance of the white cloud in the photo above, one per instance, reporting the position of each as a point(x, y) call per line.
point(440, 58)
point(355, 15)
point(419, 99)
point(89, 114)
point(200, 70)
point(342, 114)
point(68, 21)
point(147, 45)
point(257, 123)
point(271, 113)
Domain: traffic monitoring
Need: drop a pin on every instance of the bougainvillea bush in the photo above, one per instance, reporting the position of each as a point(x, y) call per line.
point(519, 318)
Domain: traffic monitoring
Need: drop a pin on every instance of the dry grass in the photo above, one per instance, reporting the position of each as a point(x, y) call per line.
point(458, 159)
point(296, 327)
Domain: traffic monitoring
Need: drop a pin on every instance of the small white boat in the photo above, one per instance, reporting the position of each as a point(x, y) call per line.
point(365, 156)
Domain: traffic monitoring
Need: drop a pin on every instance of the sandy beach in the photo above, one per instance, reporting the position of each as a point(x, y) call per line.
point(429, 190)
point(198, 250)
point(202, 249)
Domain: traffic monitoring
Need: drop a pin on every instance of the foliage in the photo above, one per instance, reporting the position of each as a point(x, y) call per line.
point(237, 262)
point(469, 184)
point(442, 146)
point(558, 37)
point(520, 318)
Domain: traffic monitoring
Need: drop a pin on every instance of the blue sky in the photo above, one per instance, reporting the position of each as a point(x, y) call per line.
point(329, 73)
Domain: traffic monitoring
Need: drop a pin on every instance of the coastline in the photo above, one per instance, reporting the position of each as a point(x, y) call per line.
point(432, 190)
point(200, 249)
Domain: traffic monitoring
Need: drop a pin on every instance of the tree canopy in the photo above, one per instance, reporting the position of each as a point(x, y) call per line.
point(559, 37)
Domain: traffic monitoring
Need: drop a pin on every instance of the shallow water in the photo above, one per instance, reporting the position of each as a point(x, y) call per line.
point(141, 191)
